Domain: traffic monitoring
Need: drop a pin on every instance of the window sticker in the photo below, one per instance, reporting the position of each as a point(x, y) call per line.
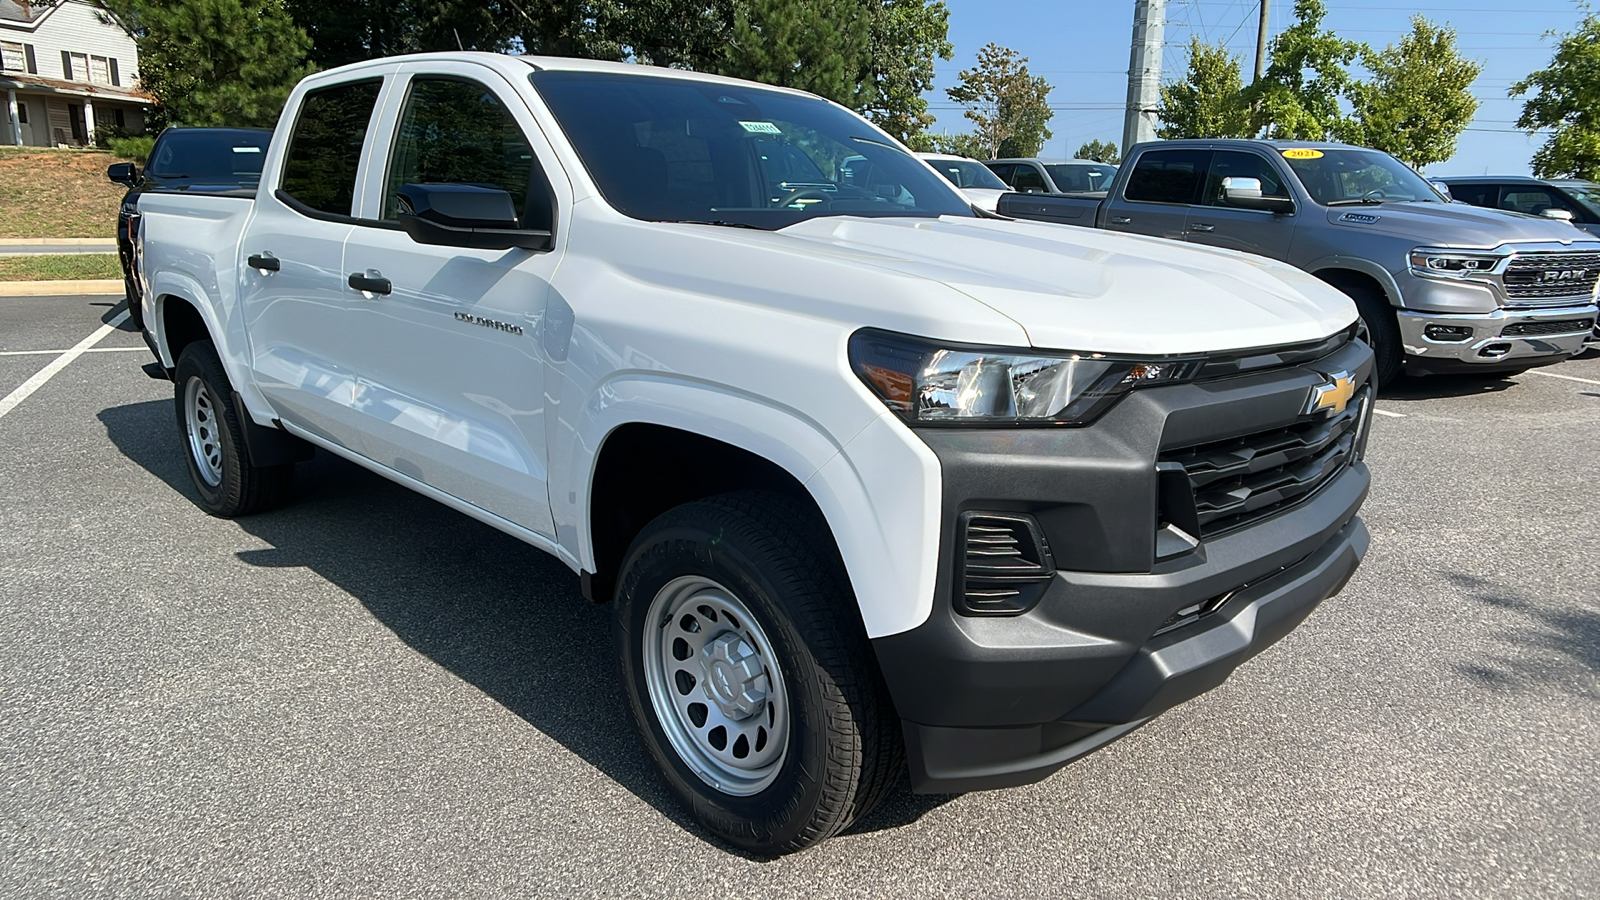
point(761, 128)
point(1302, 153)
point(247, 149)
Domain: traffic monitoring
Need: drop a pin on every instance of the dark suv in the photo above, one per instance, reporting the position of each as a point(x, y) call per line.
point(202, 160)
point(1519, 193)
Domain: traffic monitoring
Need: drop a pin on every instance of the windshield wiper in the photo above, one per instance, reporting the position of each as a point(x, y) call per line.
point(1357, 201)
point(721, 223)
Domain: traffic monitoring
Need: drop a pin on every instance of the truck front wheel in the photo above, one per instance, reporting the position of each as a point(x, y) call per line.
point(1383, 331)
point(213, 441)
point(749, 675)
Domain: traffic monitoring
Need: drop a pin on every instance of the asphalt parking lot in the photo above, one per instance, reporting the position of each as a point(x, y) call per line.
point(368, 695)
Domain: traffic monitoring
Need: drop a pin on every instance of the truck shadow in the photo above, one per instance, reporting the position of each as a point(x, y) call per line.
point(1440, 387)
point(1556, 646)
point(497, 613)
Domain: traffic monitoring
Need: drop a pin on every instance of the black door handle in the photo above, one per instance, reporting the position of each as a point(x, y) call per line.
point(264, 263)
point(370, 284)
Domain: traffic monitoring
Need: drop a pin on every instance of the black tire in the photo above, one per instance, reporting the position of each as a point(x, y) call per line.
point(844, 747)
point(1383, 331)
point(234, 487)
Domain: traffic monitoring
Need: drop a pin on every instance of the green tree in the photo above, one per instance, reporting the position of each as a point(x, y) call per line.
point(1567, 99)
point(1208, 103)
point(214, 62)
point(1009, 107)
point(907, 36)
point(1298, 97)
point(953, 144)
point(821, 46)
point(1419, 99)
point(1099, 151)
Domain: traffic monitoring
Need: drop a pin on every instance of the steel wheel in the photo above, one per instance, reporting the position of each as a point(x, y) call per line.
point(716, 686)
point(202, 421)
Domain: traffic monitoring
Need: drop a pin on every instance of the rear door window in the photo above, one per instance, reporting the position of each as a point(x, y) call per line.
point(1169, 176)
point(1003, 171)
point(324, 155)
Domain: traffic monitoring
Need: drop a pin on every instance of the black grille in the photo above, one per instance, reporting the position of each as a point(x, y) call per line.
point(1552, 276)
point(1005, 563)
point(1240, 480)
point(1561, 326)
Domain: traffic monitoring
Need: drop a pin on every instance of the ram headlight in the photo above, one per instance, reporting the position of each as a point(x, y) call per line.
point(1437, 263)
point(953, 384)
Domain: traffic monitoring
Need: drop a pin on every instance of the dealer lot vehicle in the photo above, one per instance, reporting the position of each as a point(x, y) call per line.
point(1568, 199)
point(1054, 176)
point(870, 480)
point(1442, 287)
point(974, 179)
point(205, 160)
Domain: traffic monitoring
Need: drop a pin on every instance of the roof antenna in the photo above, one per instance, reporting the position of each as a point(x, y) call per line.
point(458, 40)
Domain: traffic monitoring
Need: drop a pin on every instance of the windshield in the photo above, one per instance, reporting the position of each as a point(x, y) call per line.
point(225, 155)
point(1586, 194)
point(677, 150)
point(1335, 177)
point(968, 173)
point(1076, 178)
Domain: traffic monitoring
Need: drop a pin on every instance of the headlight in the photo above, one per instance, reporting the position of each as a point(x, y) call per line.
point(949, 384)
point(1432, 263)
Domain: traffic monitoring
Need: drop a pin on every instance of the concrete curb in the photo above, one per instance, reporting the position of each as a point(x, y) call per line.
point(53, 288)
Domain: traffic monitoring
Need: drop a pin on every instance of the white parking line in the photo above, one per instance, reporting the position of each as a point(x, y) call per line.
point(56, 365)
point(1385, 412)
point(1563, 377)
point(55, 352)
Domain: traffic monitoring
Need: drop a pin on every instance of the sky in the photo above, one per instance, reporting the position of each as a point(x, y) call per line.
point(1082, 46)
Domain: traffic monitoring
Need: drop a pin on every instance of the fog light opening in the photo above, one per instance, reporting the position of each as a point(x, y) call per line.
point(1448, 334)
point(1495, 350)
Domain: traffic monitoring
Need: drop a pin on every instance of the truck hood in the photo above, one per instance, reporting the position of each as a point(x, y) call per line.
point(1454, 224)
point(1078, 289)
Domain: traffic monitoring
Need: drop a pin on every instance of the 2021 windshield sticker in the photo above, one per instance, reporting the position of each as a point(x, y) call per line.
point(1302, 153)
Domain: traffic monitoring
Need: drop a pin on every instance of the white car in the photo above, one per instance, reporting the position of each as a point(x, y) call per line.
point(974, 179)
point(873, 483)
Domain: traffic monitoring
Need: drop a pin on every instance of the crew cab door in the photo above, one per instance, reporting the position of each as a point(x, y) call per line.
point(451, 361)
point(1156, 197)
point(292, 286)
point(1218, 224)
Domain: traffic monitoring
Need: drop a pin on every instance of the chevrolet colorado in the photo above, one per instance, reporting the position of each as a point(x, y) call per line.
point(1442, 287)
point(870, 481)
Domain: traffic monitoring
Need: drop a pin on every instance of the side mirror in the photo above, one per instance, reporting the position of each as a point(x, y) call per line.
point(1245, 193)
point(123, 173)
point(1558, 214)
point(465, 215)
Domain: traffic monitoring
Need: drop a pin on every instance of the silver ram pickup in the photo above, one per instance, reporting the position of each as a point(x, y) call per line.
point(1442, 287)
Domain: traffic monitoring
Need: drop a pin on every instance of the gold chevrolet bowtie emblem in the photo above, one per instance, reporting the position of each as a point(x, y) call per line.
point(1334, 396)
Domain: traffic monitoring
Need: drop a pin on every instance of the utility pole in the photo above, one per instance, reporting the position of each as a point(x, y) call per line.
point(1144, 73)
point(1261, 42)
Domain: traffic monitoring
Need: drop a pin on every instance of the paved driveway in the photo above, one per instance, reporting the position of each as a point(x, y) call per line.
point(368, 695)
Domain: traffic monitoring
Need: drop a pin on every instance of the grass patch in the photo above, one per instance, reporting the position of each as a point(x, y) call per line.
point(61, 267)
point(57, 194)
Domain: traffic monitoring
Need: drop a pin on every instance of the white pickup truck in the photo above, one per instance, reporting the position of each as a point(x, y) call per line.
point(873, 482)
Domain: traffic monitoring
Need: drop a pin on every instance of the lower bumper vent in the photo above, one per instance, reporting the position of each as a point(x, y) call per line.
point(1005, 564)
point(1534, 329)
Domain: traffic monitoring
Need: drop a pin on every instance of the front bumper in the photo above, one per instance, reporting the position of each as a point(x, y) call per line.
point(992, 701)
point(1437, 343)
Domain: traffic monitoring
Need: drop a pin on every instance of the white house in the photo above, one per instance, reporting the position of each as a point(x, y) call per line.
point(65, 75)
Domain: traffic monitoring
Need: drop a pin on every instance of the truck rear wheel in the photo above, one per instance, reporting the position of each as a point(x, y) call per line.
point(750, 678)
point(213, 441)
